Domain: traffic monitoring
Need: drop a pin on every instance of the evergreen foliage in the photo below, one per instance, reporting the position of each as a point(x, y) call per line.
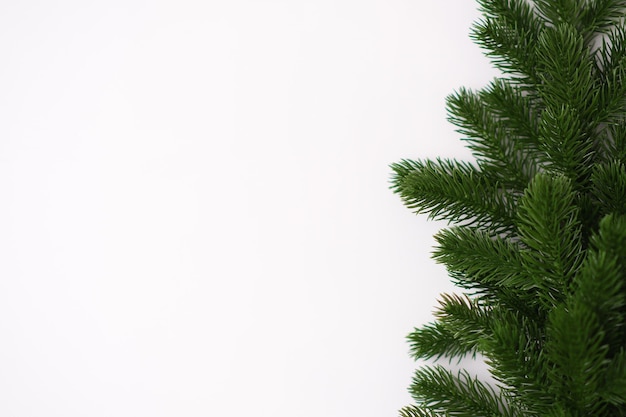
point(537, 236)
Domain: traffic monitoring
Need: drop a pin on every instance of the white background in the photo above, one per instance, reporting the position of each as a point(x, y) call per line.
point(195, 217)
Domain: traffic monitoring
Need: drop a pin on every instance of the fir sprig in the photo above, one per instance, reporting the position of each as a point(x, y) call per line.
point(461, 395)
point(454, 191)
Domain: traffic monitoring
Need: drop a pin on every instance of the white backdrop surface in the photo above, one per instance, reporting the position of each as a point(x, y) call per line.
point(195, 215)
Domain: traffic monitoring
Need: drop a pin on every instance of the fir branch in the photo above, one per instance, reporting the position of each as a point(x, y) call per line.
point(599, 288)
point(514, 356)
point(509, 33)
point(600, 16)
point(493, 141)
point(413, 411)
point(585, 331)
point(610, 70)
point(611, 91)
point(492, 267)
point(438, 390)
point(490, 295)
point(549, 225)
point(610, 55)
point(566, 70)
point(589, 17)
point(558, 11)
point(605, 292)
point(611, 238)
point(465, 319)
point(575, 347)
point(613, 391)
point(454, 191)
point(568, 89)
point(567, 149)
point(609, 187)
point(613, 139)
point(488, 259)
point(436, 340)
point(517, 113)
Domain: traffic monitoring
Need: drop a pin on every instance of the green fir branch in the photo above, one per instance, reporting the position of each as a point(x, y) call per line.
point(509, 32)
point(609, 187)
point(413, 411)
point(465, 319)
point(601, 16)
point(613, 391)
point(567, 70)
point(492, 267)
point(440, 391)
point(599, 288)
point(453, 191)
point(489, 295)
point(491, 137)
point(557, 11)
point(479, 256)
point(549, 226)
point(437, 340)
point(575, 346)
point(566, 146)
point(612, 51)
point(610, 72)
point(517, 113)
point(515, 360)
point(613, 141)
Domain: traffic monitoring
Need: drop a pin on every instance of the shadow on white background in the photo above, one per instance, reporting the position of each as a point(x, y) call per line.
point(196, 218)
